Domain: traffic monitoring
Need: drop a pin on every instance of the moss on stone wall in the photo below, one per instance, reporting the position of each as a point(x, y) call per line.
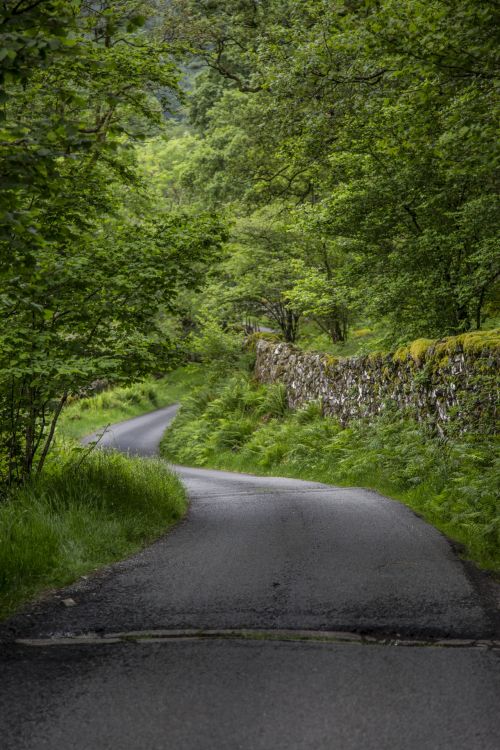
point(416, 351)
point(452, 381)
point(252, 340)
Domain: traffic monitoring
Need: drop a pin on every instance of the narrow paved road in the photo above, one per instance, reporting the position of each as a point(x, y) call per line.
point(392, 623)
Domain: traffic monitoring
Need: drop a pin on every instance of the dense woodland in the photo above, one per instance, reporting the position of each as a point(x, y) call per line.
point(175, 172)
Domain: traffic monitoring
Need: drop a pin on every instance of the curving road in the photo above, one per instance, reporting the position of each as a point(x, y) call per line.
point(330, 618)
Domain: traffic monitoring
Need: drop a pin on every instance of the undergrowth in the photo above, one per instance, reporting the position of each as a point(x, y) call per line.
point(452, 482)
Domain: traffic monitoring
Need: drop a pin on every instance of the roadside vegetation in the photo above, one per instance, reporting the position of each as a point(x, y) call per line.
point(85, 415)
point(352, 147)
point(89, 507)
point(80, 515)
point(452, 482)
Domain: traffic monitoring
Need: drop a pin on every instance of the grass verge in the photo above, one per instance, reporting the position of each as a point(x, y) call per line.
point(239, 426)
point(76, 518)
point(83, 514)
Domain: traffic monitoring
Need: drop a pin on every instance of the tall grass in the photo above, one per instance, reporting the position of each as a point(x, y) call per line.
point(451, 482)
point(78, 517)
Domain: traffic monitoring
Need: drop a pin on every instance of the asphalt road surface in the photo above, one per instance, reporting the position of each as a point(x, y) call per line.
point(278, 615)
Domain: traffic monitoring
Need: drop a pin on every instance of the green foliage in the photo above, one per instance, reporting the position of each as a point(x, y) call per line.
point(88, 312)
point(218, 348)
point(233, 405)
point(81, 515)
point(372, 127)
point(317, 295)
point(87, 261)
point(255, 275)
point(77, 84)
point(452, 482)
point(166, 163)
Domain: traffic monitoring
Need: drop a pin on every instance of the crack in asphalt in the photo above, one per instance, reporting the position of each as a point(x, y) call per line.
point(344, 637)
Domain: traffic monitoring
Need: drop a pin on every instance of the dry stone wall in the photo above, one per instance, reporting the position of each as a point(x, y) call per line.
point(453, 381)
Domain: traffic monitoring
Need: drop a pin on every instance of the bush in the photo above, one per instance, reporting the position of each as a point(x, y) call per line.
point(219, 349)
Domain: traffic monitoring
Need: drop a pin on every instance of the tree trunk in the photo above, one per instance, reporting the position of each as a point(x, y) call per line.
point(50, 436)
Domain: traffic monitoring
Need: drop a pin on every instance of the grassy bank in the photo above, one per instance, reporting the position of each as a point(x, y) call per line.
point(76, 518)
point(85, 415)
point(89, 509)
point(451, 482)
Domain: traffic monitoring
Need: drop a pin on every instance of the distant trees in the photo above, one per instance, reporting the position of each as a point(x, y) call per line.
point(257, 273)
